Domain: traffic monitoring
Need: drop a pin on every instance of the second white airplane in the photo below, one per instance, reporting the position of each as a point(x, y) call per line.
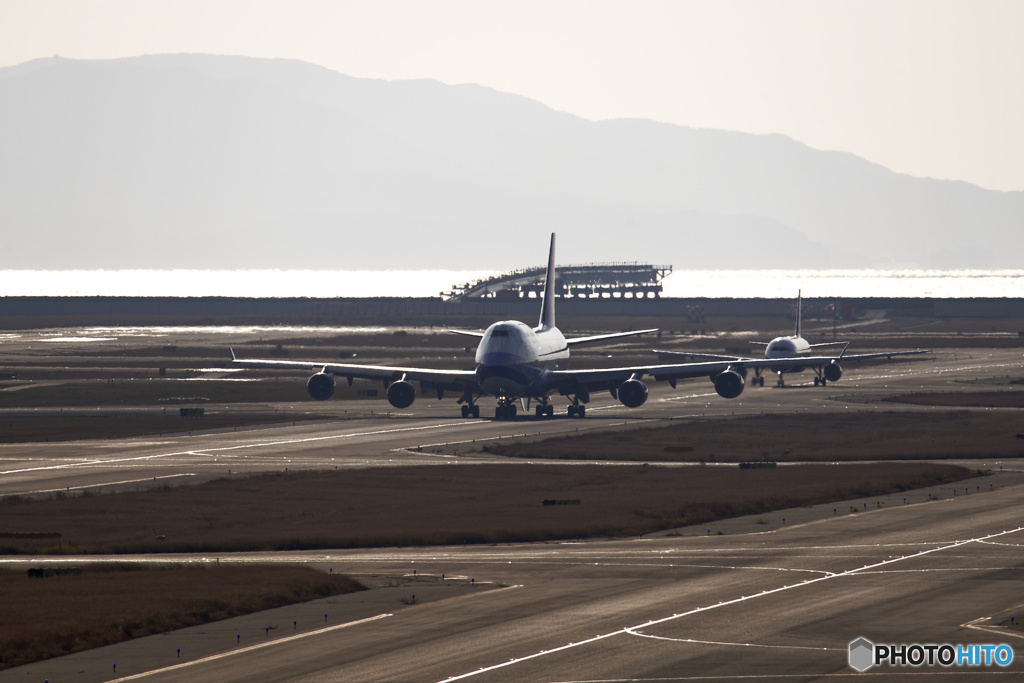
point(799, 353)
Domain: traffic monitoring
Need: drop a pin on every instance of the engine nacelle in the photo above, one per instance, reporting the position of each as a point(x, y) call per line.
point(633, 393)
point(729, 384)
point(320, 386)
point(401, 394)
point(832, 372)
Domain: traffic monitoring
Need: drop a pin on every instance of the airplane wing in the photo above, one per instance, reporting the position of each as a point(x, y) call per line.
point(467, 333)
point(882, 354)
point(604, 337)
point(608, 377)
point(444, 378)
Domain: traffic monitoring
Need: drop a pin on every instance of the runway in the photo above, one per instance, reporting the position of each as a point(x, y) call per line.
point(374, 434)
point(780, 605)
point(773, 602)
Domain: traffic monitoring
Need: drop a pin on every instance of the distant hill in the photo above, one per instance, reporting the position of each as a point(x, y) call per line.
point(198, 161)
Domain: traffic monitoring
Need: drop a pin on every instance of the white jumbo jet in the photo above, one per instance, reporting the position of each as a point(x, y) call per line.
point(515, 362)
point(799, 354)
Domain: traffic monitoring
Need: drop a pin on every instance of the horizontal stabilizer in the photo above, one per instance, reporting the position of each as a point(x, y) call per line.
point(604, 337)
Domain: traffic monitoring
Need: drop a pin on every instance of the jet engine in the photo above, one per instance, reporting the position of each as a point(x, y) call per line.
point(729, 383)
point(401, 394)
point(320, 386)
point(832, 372)
point(633, 393)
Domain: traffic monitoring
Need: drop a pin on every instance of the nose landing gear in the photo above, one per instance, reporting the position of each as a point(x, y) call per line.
point(505, 410)
point(543, 410)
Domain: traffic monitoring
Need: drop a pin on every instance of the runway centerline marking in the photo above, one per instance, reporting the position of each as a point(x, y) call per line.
point(630, 630)
point(250, 648)
point(720, 642)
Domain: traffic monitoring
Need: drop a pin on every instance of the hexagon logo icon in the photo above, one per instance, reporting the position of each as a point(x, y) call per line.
point(862, 654)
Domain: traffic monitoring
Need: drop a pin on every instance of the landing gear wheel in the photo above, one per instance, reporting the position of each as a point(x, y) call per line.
point(465, 411)
point(476, 411)
point(581, 411)
point(817, 381)
point(539, 411)
point(511, 411)
point(571, 411)
point(549, 410)
point(760, 381)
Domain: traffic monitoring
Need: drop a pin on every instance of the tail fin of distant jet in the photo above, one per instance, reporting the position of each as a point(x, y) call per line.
point(799, 310)
point(547, 307)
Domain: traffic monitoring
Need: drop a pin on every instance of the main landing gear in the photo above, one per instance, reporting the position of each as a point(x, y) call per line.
point(578, 407)
point(469, 406)
point(542, 410)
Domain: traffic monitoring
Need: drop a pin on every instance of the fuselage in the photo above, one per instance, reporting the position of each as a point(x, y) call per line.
point(787, 347)
point(512, 359)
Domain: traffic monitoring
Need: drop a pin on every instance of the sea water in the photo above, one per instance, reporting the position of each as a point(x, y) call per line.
point(432, 283)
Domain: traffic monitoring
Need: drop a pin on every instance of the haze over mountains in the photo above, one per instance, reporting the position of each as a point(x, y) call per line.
point(197, 161)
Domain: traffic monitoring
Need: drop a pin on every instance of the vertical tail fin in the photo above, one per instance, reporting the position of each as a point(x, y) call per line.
point(547, 307)
point(799, 310)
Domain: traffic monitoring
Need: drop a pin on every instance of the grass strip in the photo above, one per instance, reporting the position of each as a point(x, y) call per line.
point(107, 604)
point(430, 505)
point(830, 437)
point(112, 424)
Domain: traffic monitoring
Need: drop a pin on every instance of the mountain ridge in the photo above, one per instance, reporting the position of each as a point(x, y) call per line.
point(199, 161)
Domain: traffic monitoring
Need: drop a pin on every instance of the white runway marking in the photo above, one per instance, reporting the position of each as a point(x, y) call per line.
point(719, 642)
point(631, 630)
point(250, 648)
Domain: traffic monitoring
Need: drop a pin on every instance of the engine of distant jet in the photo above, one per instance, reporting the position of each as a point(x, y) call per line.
point(729, 383)
point(401, 394)
point(832, 372)
point(320, 386)
point(633, 393)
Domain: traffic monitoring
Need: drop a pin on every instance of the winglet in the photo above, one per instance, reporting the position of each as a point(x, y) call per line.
point(232, 353)
point(547, 307)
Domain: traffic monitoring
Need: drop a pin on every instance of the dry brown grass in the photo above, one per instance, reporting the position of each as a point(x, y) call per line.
point(431, 505)
point(69, 426)
point(868, 435)
point(54, 616)
point(1007, 398)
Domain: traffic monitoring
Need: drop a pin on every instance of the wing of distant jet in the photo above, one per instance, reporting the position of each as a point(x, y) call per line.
point(803, 360)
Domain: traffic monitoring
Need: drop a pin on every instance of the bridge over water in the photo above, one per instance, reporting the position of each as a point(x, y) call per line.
point(594, 280)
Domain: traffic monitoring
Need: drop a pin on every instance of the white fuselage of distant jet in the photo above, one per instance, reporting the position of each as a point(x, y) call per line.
point(512, 359)
point(787, 347)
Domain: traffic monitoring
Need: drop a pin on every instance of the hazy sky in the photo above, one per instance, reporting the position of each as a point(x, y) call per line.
point(933, 88)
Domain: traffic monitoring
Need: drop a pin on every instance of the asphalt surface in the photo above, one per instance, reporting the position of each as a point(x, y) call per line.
point(751, 599)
